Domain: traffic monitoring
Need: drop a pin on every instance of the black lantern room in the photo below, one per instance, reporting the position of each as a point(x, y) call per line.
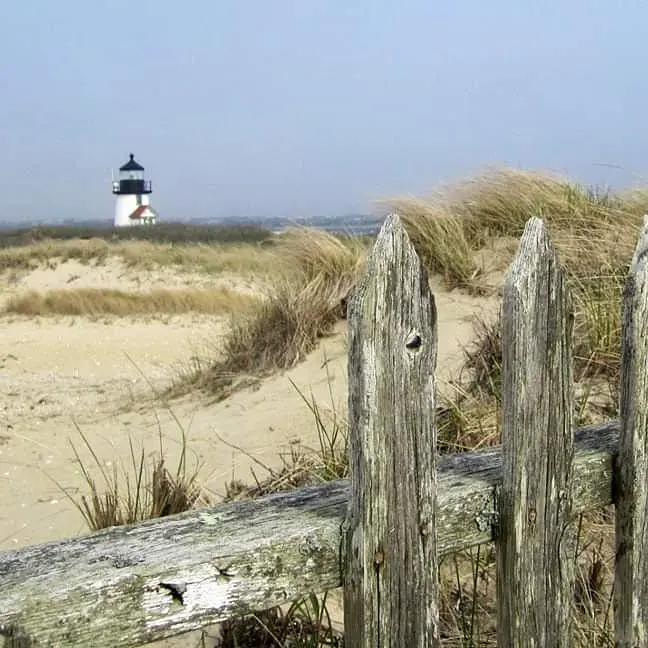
point(131, 179)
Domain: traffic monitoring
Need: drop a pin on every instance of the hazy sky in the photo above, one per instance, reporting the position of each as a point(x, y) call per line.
point(305, 107)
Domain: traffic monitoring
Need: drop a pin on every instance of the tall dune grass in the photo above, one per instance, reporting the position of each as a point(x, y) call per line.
point(501, 200)
point(441, 239)
point(279, 332)
point(317, 272)
point(595, 233)
point(591, 229)
point(102, 301)
point(318, 254)
point(240, 258)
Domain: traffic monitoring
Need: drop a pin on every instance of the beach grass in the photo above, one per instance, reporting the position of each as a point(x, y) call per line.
point(93, 302)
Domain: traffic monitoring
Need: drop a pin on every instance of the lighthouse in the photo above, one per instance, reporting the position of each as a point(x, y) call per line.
point(132, 196)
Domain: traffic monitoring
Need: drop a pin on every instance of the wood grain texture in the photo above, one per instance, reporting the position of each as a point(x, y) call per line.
point(535, 549)
point(391, 574)
point(106, 585)
point(631, 573)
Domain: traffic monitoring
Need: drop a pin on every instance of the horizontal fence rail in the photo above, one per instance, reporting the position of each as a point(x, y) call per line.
point(131, 585)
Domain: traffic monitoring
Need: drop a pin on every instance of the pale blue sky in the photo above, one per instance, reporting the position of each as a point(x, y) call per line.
point(297, 108)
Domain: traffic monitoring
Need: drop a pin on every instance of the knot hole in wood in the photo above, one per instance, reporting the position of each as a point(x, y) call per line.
point(413, 342)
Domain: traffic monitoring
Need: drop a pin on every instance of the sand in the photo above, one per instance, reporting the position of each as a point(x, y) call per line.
point(65, 374)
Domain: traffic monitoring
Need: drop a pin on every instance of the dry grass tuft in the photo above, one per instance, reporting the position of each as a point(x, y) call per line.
point(590, 229)
point(328, 265)
point(319, 254)
point(318, 272)
point(305, 624)
point(102, 301)
point(302, 466)
point(282, 330)
point(483, 359)
point(597, 328)
point(275, 335)
point(142, 491)
point(49, 252)
point(240, 258)
point(440, 240)
point(467, 422)
point(243, 259)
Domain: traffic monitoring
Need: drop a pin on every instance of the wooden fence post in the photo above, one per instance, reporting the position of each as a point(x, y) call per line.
point(631, 574)
point(391, 571)
point(535, 545)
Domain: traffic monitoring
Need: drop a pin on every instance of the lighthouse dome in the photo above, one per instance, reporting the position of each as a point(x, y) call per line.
point(131, 165)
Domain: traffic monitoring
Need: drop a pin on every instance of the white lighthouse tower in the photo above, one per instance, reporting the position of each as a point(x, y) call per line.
point(132, 194)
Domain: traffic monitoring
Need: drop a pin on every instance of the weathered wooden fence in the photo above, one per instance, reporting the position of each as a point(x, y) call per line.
point(381, 535)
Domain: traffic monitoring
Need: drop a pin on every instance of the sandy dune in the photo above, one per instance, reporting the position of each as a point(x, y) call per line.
point(56, 373)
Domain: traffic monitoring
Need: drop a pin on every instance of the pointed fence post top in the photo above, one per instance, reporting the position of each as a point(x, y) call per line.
point(394, 221)
point(393, 262)
point(392, 228)
point(638, 265)
point(536, 254)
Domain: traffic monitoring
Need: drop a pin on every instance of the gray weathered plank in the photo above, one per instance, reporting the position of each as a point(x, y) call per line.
point(276, 548)
point(391, 574)
point(535, 547)
point(631, 572)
